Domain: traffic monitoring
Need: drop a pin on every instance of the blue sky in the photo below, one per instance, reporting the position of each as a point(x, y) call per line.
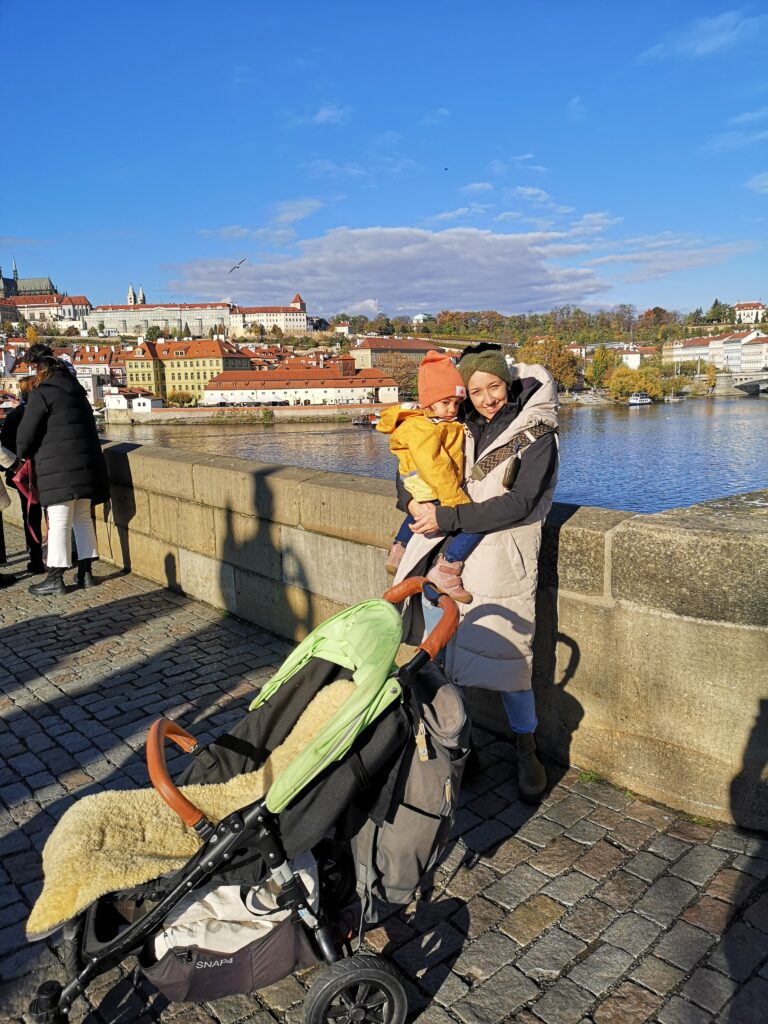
point(399, 156)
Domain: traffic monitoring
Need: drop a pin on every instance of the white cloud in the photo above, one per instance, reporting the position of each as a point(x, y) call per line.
point(737, 139)
point(438, 116)
point(660, 262)
point(523, 163)
point(759, 183)
point(473, 210)
point(476, 187)
point(334, 169)
point(324, 115)
point(330, 113)
point(405, 268)
point(276, 236)
point(509, 215)
point(575, 109)
point(289, 211)
point(750, 116)
point(532, 195)
point(593, 223)
point(710, 35)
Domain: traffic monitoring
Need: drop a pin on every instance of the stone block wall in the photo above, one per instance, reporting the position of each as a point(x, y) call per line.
point(652, 630)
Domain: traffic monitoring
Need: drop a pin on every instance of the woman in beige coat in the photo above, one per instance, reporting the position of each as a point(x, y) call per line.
point(511, 472)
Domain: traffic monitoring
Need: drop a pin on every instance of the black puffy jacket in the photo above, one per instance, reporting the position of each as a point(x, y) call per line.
point(59, 434)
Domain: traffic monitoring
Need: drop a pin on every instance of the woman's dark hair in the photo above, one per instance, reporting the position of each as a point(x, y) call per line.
point(45, 367)
point(36, 353)
point(481, 346)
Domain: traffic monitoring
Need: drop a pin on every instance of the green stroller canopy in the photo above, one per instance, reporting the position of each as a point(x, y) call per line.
point(363, 639)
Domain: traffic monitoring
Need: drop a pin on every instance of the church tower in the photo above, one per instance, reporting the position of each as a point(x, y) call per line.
point(15, 271)
point(142, 300)
point(131, 300)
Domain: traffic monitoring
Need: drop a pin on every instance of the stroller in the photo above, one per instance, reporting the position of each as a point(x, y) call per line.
point(289, 860)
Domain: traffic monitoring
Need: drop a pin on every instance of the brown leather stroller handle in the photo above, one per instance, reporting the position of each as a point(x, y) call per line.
point(161, 730)
point(449, 621)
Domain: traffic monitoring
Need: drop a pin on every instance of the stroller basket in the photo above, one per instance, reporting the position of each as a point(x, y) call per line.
point(317, 788)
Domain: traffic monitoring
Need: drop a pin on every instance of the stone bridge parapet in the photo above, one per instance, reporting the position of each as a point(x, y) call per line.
point(651, 661)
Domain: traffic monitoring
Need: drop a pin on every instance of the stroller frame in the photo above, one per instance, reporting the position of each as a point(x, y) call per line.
point(253, 826)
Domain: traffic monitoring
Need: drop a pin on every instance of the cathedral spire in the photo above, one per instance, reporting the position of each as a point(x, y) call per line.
point(142, 300)
point(15, 270)
point(131, 296)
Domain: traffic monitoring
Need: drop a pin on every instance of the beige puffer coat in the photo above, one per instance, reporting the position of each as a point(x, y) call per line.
point(493, 647)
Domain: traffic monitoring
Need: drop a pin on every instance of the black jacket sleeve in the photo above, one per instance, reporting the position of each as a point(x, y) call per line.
point(403, 496)
point(537, 468)
point(32, 426)
point(10, 427)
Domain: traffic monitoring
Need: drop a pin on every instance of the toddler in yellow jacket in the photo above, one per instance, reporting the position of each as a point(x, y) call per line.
point(429, 445)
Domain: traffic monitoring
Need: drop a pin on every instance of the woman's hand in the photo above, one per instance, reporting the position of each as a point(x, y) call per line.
point(426, 518)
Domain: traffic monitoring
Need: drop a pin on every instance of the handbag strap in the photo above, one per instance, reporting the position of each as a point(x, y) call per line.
point(516, 446)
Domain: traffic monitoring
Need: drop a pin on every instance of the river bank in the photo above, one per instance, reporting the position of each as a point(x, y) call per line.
point(246, 416)
point(637, 459)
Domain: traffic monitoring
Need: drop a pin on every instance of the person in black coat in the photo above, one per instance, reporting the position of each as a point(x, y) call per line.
point(58, 433)
point(32, 513)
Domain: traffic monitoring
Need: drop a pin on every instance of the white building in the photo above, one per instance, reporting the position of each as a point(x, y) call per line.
point(291, 319)
point(137, 318)
point(725, 350)
point(754, 355)
point(131, 399)
point(327, 386)
point(749, 312)
point(423, 318)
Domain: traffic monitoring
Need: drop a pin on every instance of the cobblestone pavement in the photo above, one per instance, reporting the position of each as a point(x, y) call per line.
point(596, 907)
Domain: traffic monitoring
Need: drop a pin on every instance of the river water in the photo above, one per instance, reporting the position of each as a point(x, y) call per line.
point(641, 459)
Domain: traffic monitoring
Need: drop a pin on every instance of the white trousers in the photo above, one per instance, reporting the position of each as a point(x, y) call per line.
point(62, 519)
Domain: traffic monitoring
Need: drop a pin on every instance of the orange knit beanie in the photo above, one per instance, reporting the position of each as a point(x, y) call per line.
point(438, 379)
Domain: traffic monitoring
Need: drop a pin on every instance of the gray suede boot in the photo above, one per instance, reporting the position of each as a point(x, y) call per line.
point(531, 777)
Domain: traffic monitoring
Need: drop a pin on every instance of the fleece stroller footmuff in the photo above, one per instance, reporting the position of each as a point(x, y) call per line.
point(299, 775)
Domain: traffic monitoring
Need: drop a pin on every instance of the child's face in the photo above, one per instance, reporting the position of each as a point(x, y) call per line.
point(446, 409)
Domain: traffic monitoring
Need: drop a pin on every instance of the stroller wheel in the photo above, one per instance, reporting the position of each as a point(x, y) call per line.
point(69, 947)
point(361, 989)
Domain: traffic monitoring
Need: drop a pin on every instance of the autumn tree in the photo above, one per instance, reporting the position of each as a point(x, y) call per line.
point(555, 357)
point(710, 372)
point(32, 335)
point(403, 371)
point(180, 398)
point(604, 361)
point(624, 381)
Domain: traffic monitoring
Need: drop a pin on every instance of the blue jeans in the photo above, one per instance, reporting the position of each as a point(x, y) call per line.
point(458, 548)
point(520, 705)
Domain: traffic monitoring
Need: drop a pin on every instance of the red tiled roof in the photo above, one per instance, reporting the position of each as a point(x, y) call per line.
point(401, 345)
point(749, 305)
point(272, 379)
point(196, 350)
point(47, 300)
point(166, 305)
point(269, 309)
point(97, 354)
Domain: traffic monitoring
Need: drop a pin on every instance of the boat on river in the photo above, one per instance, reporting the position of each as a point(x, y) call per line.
point(369, 420)
point(639, 398)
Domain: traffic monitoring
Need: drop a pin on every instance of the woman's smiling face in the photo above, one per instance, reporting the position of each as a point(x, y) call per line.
point(487, 393)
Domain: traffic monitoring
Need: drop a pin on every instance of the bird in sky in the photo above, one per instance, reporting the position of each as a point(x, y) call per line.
point(237, 265)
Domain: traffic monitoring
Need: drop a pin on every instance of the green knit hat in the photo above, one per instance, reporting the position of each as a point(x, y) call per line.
point(486, 359)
